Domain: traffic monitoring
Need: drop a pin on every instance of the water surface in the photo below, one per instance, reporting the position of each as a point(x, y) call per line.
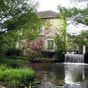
point(55, 75)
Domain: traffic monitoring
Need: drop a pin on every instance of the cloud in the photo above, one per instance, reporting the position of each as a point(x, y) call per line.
point(48, 5)
point(53, 4)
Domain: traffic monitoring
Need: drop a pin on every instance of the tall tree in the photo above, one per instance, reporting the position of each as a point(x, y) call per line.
point(80, 15)
point(76, 14)
point(18, 20)
point(14, 14)
point(62, 36)
point(80, 40)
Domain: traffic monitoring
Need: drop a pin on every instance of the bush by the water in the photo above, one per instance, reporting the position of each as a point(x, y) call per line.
point(59, 56)
point(13, 52)
point(13, 61)
point(15, 78)
point(34, 54)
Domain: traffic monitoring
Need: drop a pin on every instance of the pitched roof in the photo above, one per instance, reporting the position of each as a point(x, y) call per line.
point(47, 14)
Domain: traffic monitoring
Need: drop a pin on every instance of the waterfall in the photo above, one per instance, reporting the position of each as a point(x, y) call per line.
point(74, 58)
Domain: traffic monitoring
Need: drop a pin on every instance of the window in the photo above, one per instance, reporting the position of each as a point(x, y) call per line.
point(20, 32)
point(19, 45)
point(41, 30)
point(50, 44)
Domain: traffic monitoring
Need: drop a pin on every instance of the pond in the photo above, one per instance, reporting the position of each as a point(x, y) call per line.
point(56, 75)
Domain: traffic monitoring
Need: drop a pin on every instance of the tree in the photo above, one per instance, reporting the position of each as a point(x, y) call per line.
point(60, 43)
point(15, 13)
point(69, 12)
point(18, 20)
point(80, 40)
point(62, 37)
point(80, 15)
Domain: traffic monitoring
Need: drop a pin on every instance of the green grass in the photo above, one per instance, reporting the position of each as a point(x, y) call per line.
point(16, 77)
point(13, 61)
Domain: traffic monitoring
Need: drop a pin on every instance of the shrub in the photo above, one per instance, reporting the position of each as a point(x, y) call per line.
point(36, 45)
point(48, 54)
point(13, 61)
point(59, 56)
point(13, 52)
point(34, 54)
point(16, 77)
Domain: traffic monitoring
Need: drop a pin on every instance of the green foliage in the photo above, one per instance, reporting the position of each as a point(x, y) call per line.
point(8, 40)
point(16, 77)
point(34, 55)
point(13, 9)
point(62, 37)
point(19, 19)
point(60, 43)
point(81, 15)
point(80, 40)
point(69, 12)
point(13, 61)
point(14, 52)
point(28, 20)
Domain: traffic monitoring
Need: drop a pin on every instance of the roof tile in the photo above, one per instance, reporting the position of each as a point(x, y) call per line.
point(47, 14)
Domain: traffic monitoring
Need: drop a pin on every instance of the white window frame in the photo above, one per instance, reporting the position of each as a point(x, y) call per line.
point(19, 45)
point(47, 41)
point(41, 30)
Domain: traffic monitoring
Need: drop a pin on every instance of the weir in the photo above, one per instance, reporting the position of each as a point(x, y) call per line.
point(74, 58)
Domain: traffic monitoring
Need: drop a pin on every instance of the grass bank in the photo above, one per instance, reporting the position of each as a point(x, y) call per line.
point(16, 78)
point(13, 61)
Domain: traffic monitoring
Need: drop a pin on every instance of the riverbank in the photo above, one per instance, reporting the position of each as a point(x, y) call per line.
point(15, 73)
point(14, 61)
point(47, 60)
point(43, 60)
point(14, 78)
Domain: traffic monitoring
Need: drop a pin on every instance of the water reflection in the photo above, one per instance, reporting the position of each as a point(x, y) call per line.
point(74, 73)
point(76, 76)
point(53, 73)
point(62, 75)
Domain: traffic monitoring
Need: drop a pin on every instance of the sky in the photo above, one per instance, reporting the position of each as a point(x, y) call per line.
point(52, 4)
